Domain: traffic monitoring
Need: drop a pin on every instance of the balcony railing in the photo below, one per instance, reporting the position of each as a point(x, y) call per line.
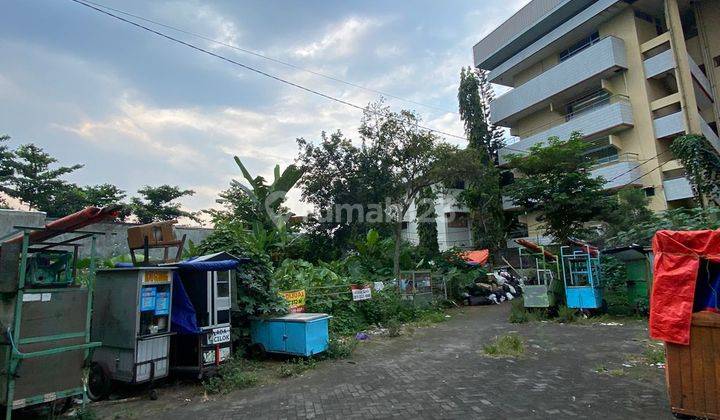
point(606, 116)
point(625, 170)
point(677, 189)
point(596, 62)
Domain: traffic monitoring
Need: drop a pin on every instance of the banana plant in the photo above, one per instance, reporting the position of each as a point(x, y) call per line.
point(268, 199)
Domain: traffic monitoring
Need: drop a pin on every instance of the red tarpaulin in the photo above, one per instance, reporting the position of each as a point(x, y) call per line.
point(479, 257)
point(676, 266)
point(70, 223)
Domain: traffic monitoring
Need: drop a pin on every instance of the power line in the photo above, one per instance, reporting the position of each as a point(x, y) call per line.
point(237, 63)
point(637, 166)
point(265, 57)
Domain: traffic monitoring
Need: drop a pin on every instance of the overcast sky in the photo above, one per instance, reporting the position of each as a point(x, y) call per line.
point(136, 109)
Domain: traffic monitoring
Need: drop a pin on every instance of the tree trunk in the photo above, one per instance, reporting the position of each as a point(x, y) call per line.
point(396, 254)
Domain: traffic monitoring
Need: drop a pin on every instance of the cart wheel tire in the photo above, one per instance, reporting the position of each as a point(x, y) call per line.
point(681, 416)
point(153, 394)
point(99, 382)
point(257, 351)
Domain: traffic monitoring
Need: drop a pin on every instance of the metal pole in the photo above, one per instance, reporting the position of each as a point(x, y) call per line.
point(88, 310)
point(14, 359)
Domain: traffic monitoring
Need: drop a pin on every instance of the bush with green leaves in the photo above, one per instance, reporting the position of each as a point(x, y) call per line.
point(566, 315)
point(614, 278)
point(235, 373)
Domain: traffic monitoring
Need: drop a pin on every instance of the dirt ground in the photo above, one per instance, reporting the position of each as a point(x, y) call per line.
point(593, 370)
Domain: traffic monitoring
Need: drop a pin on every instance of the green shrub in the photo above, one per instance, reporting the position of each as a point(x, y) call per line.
point(566, 315)
point(236, 373)
point(510, 345)
point(340, 348)
point(394, 327)
point(518, 313)
point(295, 367)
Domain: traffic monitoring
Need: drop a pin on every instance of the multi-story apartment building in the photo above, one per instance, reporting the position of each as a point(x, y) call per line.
point(629, 75)
point(452, 220)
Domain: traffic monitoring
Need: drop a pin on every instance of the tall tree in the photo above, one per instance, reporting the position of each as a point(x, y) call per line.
point(345, 183)
point(426, 219)
point(413, 157)
point(555, 179)
point(102, 195)
point(6, 164)
point(38, 185)
point(483, 194)
point(157, 204)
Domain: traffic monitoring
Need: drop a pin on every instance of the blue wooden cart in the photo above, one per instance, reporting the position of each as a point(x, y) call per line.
point(581, 274)
point(297, 334)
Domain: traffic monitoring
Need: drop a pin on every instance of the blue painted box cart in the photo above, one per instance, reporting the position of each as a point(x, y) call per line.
point(296, 334)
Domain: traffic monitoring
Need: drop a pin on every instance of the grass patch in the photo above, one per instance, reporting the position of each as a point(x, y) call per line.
point(616, 372)
point(340, 347)
point(394, 328)
point(236, 373)
point(654, 354)
point(510, 345)
point(566, 315)
point(296, 367)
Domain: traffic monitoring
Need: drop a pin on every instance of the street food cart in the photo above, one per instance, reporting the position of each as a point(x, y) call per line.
point(541, 270)
point(684, 313)
point(45, 312)
point(201, 303)
point(132, 319)
point(581, 275)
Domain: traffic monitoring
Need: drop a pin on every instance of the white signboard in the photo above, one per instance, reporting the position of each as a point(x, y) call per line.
point(362, 294)
point(219, 336)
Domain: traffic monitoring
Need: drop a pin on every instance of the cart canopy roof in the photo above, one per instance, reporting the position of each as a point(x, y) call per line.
point(479, 257)
point(677, 263)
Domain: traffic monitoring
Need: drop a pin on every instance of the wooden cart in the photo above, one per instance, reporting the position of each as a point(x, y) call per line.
point(693, 372)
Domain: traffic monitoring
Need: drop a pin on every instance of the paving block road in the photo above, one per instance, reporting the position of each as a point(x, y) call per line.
point(568, 371)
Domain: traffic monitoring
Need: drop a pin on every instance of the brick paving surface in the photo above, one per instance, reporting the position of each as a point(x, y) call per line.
point(441, 372)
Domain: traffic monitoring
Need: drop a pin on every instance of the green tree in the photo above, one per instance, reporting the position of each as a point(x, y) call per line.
point(427, 223)
point(102, 195)
point(36, 184)
point(483, 193)
point(342, 181)
point(413, 158)
point(629, 210)
point(6, 164)
point(555, 179)
point(702, 164)
point(157, 204)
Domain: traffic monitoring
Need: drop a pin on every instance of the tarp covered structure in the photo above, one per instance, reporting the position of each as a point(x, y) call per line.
point(678, 256)
point(479, 257)
point(184, 318)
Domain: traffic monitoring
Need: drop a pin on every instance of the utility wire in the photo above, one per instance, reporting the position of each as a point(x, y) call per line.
point(265, 57)
point(638, 165)
point(263, 73)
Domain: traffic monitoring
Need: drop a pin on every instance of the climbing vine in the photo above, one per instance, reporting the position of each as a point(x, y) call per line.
point(702, 164)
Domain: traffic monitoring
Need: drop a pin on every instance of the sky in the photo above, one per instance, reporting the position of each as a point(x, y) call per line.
point(137, 109)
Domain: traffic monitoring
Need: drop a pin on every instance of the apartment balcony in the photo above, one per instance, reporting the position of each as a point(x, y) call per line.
point(605, 117)
point(659, 65)
point(563, 36)
point(677, 189)
point(669, 125)
point(710, 134)
point(619, 171)
point(561, 82)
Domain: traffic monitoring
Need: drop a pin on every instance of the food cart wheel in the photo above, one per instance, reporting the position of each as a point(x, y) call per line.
point(153, 394)
point(257, 351)
point(99, 382)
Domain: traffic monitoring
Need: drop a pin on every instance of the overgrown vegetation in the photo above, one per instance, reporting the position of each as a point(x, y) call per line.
point(566, 315)
point(510, 345)
point(236, 373)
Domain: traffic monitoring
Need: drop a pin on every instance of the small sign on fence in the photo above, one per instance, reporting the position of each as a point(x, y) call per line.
point(295, 300)
point(361, 292)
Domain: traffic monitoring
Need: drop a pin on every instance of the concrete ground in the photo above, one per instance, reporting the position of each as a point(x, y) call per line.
point(568, 371)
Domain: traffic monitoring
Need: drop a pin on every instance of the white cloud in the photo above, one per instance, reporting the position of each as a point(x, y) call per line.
point(339, 39)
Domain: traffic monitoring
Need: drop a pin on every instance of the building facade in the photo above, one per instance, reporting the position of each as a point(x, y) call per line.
point(630, 76)
point(452, 219)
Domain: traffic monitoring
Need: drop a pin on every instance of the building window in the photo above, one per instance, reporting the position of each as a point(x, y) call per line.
point(649, 191)
point(600, 151)
point(404, 225)
point(583, 44)
point(457, 220)
point(587, 103)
